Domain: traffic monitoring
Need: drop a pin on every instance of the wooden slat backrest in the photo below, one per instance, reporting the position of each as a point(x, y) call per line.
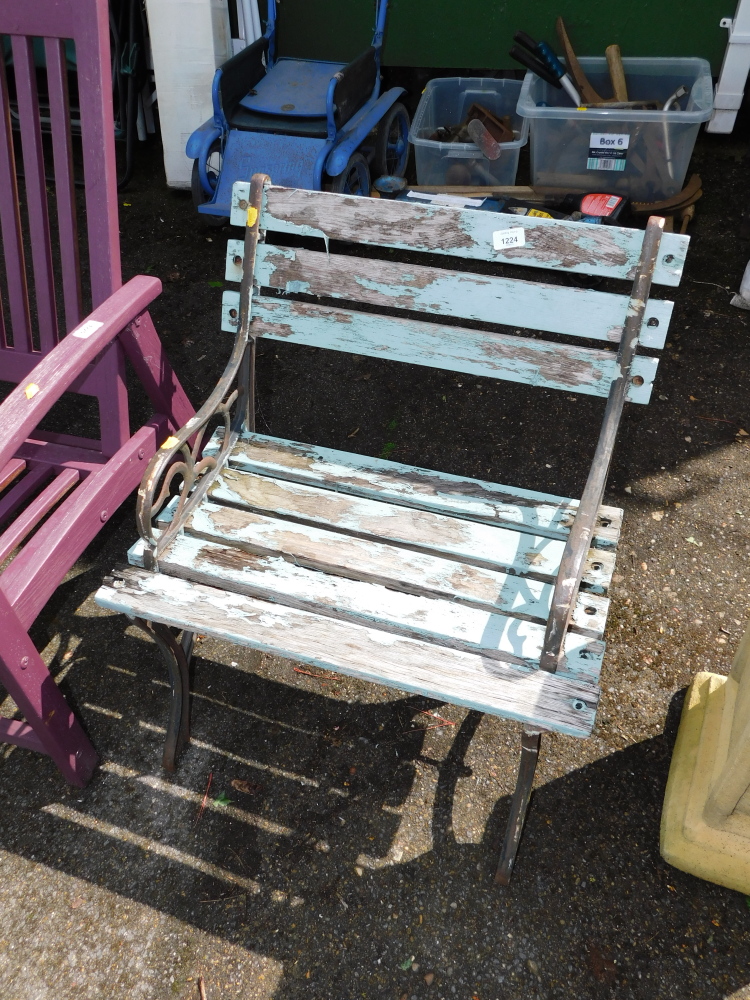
point(417, 284)
point(42, 226)
point(607, 251)
point(576, 312)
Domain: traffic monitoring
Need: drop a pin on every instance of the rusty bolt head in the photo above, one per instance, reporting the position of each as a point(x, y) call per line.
point(242, 204)
point(237, 259)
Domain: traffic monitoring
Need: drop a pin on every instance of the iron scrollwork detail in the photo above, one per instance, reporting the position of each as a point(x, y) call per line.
point(231, 403)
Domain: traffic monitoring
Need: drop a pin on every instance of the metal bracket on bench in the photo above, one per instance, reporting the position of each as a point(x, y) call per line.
point(579, 540)
point(231, 402)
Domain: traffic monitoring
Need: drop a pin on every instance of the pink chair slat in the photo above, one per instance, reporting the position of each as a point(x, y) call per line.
point(19, 733)
point(90, 446)
point(32, 578)
point(36, 191)
point(57, 86)
point(113, 401)
point(38, 450)
point(100, 185)
point(12, 500)
point(10, 470)
point(48, 19)
point(10, 221)
point(25, 523)
point(100, 168)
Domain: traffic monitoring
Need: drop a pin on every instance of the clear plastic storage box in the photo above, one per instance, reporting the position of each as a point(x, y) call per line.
point(445, 102)
point(641, 154)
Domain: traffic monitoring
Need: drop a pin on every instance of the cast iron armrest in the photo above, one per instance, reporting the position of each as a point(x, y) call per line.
point(23, 409)
point(577, 546)
point(181, 454)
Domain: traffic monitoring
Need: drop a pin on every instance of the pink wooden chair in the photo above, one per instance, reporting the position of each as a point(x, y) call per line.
point(57, 490)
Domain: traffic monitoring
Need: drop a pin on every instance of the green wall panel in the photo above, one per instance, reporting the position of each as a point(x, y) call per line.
point(478, 33)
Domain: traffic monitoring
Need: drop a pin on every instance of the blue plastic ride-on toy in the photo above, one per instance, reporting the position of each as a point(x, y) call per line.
point(306, 123)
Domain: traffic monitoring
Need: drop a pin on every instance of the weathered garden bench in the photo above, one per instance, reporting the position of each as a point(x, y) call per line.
point(465, 591)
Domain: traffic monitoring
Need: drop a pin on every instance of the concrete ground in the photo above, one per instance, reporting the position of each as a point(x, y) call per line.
point(326, 839)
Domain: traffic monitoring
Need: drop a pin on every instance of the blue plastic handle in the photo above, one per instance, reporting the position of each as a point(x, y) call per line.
point(550, 59)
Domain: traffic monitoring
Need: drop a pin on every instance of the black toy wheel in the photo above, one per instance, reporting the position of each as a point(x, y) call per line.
point(354, 178)
point(200, 197)
point(392, 143)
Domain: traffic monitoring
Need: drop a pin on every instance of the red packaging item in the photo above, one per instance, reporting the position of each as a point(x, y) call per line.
point(602, 205)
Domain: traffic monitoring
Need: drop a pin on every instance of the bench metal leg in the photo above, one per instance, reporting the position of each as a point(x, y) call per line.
point(530, 740)
point(177, 658)
point(187, 639)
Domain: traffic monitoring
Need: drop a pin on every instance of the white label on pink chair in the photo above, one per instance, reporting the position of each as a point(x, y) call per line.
point(85, 330)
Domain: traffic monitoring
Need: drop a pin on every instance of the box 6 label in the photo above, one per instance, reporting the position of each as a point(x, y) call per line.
point(607, 151)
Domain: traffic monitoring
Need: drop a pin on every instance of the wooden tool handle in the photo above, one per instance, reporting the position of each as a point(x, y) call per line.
point(587, 92)
point(616, 72)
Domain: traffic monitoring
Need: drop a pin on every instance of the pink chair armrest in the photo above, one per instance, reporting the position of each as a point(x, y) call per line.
point(28, 403)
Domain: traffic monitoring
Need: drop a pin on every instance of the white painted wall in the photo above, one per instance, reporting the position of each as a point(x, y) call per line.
point(189, 40)
point(734, 70)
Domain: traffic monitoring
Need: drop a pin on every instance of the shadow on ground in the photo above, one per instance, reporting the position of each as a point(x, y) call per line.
point(344, 856)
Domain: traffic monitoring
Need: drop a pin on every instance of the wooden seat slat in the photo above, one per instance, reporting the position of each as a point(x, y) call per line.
point(399, 569)
point(450, 348)
point(480, 682)
point(496, 547)
point(426, 489)
point(575, 312)
point(432, 619)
